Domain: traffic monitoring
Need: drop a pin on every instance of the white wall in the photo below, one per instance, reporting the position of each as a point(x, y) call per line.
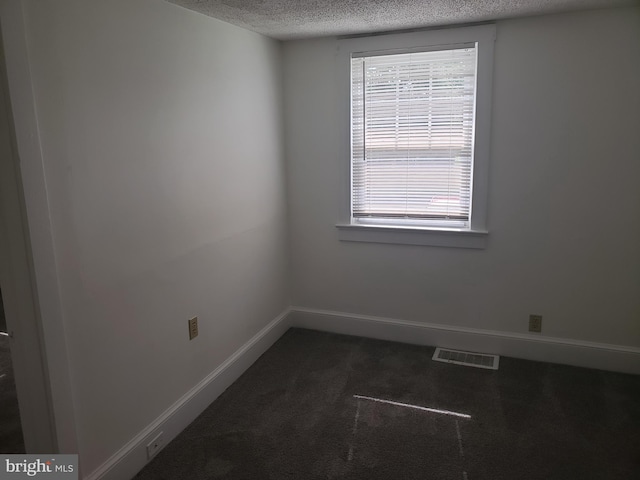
point(150, 117)
point(161, 139)
point(564, 202)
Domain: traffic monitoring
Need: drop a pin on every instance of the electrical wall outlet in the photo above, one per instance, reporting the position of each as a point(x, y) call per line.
point(155, 445)
point(193, 328)
point(535, 323)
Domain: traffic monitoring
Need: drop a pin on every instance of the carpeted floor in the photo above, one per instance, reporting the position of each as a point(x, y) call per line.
point(300, 413)
point(10, 430)
point(11, 440)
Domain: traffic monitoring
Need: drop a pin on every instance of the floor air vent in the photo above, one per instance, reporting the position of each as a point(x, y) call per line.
point(470, 359)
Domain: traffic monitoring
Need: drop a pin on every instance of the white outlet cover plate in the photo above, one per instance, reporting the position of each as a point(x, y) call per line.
point(155, 445)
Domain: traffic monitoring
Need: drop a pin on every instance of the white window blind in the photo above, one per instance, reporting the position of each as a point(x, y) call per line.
point(412, 121)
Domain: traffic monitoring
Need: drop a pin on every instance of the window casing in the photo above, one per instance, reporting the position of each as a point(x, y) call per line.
point(415, 135)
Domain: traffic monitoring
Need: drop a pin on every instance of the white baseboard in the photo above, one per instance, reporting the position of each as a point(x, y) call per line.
point(132, 457)
point(528, 346)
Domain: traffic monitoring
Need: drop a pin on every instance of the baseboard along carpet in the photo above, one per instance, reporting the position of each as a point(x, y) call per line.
point(320, 405)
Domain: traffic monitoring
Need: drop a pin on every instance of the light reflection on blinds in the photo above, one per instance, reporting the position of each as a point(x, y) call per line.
point(412, 136)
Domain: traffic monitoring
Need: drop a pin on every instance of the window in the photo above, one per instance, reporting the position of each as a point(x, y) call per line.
point(412, 137)
point(417, 148)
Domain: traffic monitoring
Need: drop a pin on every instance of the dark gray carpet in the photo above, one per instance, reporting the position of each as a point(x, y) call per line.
point(11, 440)
point(293, 415)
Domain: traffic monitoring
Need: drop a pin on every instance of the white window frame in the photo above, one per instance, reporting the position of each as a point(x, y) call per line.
point(475, 236)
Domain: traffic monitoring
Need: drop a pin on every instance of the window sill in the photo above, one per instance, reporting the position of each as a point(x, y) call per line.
point(413, 236)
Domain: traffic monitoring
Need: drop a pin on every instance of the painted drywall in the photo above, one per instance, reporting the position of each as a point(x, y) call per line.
point(564, 205)
point(161, 134)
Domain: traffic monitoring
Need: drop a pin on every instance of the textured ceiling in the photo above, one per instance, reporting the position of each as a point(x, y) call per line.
point(293, 19)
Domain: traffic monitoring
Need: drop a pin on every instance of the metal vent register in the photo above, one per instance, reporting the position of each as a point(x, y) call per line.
point(471, 359)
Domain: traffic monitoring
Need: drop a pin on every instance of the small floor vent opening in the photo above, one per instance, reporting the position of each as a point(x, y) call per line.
point(470, 359)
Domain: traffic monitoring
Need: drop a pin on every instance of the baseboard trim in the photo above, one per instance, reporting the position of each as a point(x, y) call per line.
point(132, 457)
point(579, 353)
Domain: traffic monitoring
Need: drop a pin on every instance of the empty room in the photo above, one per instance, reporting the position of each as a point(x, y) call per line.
point(316, 239)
